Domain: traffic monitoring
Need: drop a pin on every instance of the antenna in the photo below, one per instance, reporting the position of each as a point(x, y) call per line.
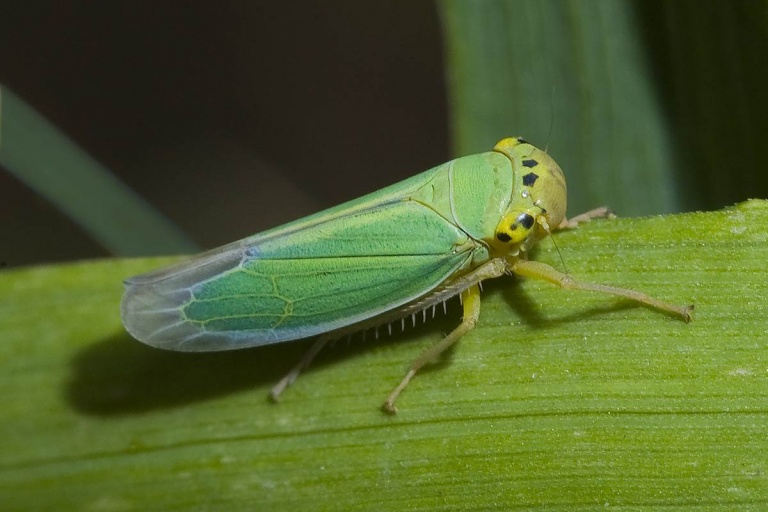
point(545, 225)
point(565, 267)
point(551, 117)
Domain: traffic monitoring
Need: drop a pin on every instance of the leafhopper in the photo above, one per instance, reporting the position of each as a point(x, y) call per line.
point(387, 256)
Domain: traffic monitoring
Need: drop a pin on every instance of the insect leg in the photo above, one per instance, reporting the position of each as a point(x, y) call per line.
point(471, 303)
point(539, 270)
point(597, 213)
point(302, 365)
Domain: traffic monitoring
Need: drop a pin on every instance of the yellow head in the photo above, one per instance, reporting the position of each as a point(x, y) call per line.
point(538, 198)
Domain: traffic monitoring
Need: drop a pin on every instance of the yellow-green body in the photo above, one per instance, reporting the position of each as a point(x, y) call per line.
point(353, 263)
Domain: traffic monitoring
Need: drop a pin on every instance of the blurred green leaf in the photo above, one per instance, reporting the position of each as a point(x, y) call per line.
point(523, 67)
point(45, 159)
point(654, 106)
point(559, 400)
point(709, 62)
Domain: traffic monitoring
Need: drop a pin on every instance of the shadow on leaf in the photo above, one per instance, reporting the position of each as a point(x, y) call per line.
point(121, 376)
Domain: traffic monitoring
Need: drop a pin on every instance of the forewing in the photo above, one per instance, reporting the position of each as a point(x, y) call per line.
point(307, 280)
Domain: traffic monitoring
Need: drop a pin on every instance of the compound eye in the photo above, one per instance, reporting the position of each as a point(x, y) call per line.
point(524, 219)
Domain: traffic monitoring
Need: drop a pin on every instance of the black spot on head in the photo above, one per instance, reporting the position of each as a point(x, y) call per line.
point(530, 163)
point(530, 178)
point(503, 237)
point(526, 220)
point(522, 140)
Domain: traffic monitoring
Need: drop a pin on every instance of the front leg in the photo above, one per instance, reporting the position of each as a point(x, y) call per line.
point(598, 213)
point(539, 270)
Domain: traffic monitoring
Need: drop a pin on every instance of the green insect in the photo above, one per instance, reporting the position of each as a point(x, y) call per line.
point(384, 257)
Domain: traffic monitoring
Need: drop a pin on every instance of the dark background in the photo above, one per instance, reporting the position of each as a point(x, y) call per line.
point(230, 117)
point(236, 116)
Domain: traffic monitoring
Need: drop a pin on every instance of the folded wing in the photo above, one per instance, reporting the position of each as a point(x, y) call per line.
point(303, 279)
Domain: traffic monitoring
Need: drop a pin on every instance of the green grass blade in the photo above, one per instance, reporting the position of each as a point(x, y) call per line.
point(558, 400)
point(523, 67)
point(709, 62)
point(38, 154)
